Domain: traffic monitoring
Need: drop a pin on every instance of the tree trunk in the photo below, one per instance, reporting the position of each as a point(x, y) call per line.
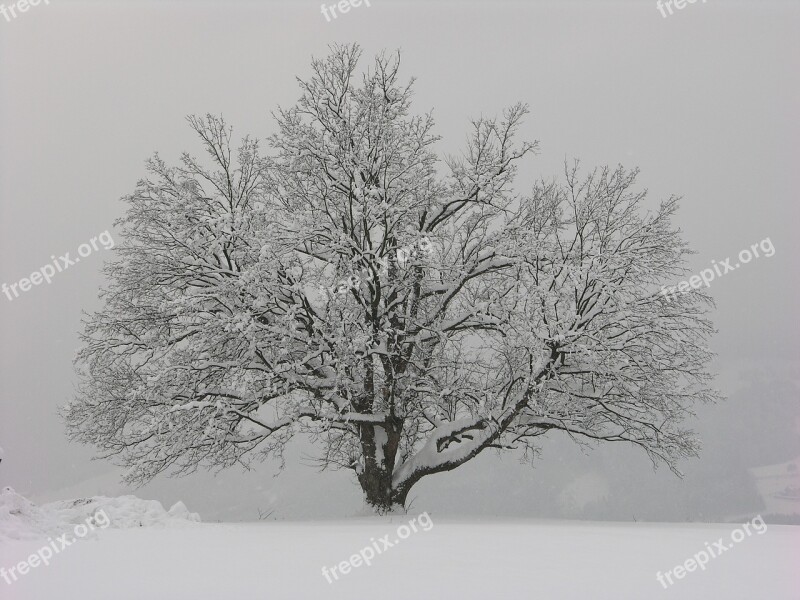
point(379, 444)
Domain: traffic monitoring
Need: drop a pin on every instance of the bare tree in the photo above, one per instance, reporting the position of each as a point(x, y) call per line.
point(405, 319)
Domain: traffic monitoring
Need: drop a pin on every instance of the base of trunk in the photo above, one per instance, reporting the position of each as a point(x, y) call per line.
point(383, 509)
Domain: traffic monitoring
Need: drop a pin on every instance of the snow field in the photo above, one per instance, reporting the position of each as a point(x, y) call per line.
point(455, 559)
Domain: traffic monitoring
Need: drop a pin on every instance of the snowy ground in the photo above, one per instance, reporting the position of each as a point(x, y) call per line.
point(453, 559)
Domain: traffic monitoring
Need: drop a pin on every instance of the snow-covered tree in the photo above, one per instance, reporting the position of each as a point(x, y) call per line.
point(407, 314)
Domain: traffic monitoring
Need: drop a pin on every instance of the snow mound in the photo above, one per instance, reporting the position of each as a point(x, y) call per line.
point(22, 519)
point(124, 512)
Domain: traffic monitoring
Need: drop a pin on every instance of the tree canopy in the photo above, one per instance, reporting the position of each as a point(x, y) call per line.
point(405, 311)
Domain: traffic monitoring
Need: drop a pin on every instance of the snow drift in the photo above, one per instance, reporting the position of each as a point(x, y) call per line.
point(21, 519)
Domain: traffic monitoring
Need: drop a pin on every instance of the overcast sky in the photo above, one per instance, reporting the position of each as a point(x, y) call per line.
point(704, 101)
